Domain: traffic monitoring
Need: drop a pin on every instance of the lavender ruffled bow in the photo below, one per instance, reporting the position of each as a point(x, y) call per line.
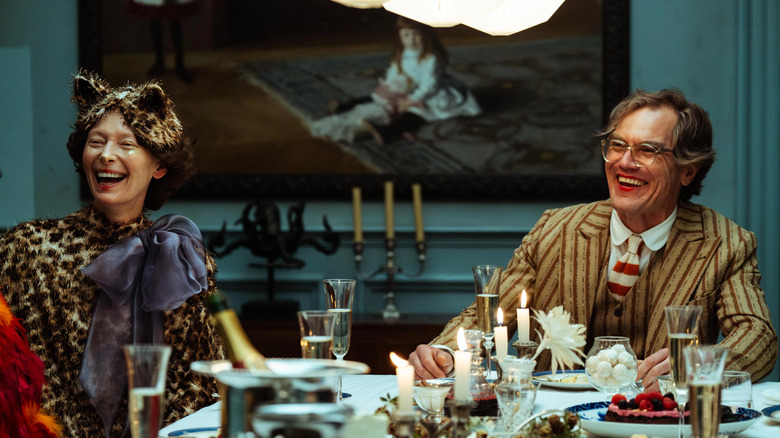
point(140, 277)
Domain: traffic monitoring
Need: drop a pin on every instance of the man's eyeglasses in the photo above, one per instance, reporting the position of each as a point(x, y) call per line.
point(642, 154)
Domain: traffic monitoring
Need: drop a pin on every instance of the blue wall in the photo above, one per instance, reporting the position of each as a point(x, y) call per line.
point(722, 53)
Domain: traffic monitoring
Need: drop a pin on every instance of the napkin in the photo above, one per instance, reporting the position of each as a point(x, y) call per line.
point(772, 396)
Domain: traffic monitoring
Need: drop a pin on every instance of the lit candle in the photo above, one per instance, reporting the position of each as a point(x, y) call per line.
point(405, 375)
point(501, 335)
point(523, 319)
point(462, 369)
point(357, 218)
point(389, 209)
point(419, 234)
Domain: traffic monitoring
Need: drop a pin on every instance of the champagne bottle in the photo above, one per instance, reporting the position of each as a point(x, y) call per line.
point(239, 348)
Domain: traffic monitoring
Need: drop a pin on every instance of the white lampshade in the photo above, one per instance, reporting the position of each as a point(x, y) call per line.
point(440, 13)
point(361, 4)
point(512, 16)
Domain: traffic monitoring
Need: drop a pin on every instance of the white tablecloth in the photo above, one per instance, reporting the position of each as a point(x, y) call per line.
point(366, 391)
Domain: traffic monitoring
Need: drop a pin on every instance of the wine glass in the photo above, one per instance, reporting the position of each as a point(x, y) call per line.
point(340, 293)
point(611, 364)
point(682, 325)
point(487, 281)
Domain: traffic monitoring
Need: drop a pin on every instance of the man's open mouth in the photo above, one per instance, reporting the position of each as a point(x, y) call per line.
point(630, 182)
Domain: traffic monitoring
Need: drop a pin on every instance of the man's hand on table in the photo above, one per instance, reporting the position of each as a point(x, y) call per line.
point(657, 364)
point(430, 362)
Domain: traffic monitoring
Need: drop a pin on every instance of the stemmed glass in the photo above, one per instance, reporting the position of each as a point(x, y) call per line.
point(704, 367)
point(487, 280)
point(339, 293)
point(682, 325)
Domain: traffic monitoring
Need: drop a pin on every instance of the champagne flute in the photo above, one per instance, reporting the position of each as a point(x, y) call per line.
point(682, 325)
point(487, 281)
point(147, 366)
point(704, 366)
point(340, 293)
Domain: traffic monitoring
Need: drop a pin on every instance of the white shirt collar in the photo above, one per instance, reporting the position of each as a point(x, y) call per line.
point(654, 238)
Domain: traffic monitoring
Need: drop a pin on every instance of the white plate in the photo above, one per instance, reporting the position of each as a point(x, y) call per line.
point(547, 378)
point(592, 420)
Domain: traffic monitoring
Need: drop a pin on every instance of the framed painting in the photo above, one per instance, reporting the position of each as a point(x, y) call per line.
point(268, 72)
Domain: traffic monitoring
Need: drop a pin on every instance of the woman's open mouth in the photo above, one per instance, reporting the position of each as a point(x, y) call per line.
point(108, 178)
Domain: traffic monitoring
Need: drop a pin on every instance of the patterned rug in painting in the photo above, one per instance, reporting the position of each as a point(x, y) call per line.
point(541, 104)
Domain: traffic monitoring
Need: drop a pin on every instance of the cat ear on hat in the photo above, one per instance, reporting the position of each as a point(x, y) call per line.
point(88, 89)
point(152, 99)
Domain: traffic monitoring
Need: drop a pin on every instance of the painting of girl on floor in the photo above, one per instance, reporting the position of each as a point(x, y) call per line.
point(416, 89)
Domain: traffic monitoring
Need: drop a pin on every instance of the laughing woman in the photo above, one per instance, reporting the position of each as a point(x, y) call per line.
point(105, 276)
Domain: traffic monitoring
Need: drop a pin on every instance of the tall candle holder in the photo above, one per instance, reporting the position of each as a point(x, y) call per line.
point(390, 269)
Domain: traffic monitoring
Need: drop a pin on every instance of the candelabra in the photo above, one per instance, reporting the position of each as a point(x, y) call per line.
point(390, 268)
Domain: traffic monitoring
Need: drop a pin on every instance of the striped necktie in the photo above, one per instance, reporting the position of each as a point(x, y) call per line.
point(626, 270)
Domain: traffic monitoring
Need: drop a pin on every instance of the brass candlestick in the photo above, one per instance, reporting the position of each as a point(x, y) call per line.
point(526, 348)
point(390, 269)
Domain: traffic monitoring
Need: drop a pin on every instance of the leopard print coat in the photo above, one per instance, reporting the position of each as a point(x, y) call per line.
point(40, 275)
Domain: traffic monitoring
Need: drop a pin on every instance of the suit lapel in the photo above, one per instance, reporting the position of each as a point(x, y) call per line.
point(686, 255)
point(583, 255)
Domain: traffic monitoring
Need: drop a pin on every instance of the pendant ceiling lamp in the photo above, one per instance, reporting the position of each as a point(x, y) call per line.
point(440, 13)
point(512, 16)
point(361, 4)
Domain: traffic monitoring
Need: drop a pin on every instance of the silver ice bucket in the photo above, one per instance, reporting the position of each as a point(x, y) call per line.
point(288, 381)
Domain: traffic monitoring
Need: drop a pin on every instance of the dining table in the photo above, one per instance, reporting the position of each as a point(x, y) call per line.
point(367, 391)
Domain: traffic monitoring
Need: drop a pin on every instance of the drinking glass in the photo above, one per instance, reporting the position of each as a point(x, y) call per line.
point(704, 366)
point(340, 293)
point(487, 281)
point(682, 325)
point(515, 393)
point(316, 333)
point(147, 366)
point(611, 364)
point(737, 389)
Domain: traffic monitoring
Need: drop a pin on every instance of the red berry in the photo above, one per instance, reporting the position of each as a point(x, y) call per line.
point(645, 405)
point(669, 404)
point(640, 397)
point(617, 397)
point(655, 395)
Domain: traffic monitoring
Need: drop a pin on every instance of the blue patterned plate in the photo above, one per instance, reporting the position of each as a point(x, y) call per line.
point(772, 412)
point(592, 420)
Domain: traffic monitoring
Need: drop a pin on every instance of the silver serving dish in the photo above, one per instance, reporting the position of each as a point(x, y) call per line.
point(287, 381)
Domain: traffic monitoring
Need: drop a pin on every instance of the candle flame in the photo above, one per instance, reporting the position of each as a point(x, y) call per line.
point(462, 345)
point(397, 361)
point(500, 316)
point(523, 299)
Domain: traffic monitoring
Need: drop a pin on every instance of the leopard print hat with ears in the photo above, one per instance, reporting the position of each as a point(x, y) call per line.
point(146, 108)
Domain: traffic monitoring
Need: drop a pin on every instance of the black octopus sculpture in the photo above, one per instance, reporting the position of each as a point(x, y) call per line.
point(264, 237)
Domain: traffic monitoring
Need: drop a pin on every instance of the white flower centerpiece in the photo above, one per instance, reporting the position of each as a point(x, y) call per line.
point(561, 337)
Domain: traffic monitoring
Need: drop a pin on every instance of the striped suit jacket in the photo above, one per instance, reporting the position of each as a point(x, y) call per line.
point(708, 261)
